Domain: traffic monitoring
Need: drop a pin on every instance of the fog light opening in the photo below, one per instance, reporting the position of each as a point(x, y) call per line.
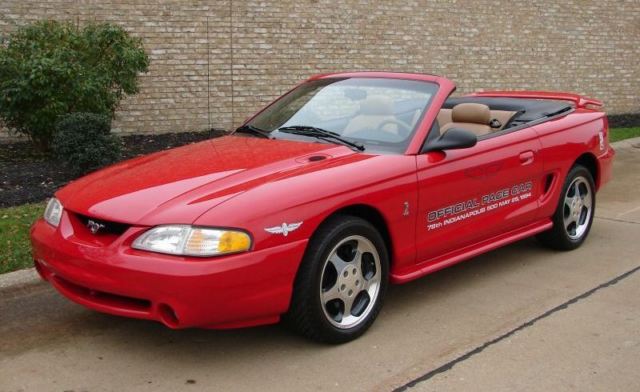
point(168, 316)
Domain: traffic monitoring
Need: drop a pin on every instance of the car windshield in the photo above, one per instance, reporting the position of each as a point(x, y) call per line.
point(379, 114)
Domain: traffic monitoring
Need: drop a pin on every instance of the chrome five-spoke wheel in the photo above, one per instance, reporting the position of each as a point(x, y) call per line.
point(574, 212)
point(577, 208)
point(341, 282)
point(350, 281)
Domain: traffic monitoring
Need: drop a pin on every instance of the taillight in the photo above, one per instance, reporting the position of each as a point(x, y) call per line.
point(603, 135)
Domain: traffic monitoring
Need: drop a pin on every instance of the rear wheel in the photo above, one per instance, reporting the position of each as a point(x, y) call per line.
point(574, 215)
point(341, 282)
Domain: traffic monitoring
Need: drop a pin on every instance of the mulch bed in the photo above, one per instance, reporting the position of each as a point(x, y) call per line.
point(27, 176)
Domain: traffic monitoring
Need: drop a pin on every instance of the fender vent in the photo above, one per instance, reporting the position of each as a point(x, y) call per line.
point(548, 181)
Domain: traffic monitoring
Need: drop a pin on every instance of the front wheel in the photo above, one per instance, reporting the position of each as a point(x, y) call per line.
point(574, 215)
point(341, 282)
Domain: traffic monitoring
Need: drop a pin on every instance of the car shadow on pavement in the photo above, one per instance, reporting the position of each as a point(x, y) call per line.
point(43, 318)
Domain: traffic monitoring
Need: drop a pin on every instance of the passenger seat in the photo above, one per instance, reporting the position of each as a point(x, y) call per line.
point(473, 117)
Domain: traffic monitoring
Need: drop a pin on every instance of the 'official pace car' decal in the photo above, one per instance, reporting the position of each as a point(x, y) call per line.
point(473, 207)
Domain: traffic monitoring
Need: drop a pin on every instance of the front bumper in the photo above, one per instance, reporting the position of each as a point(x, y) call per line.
point(109, 276)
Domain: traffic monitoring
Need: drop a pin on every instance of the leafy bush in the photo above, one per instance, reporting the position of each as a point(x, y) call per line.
point(83, 143)
point(51, 68)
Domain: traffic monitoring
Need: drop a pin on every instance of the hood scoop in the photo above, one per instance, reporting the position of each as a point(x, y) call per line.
point(315, 157)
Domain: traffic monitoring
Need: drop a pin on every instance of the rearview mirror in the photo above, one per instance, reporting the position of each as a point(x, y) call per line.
point(452, 139)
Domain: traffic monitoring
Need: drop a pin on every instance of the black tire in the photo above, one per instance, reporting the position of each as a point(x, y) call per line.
point(559, 237)
point(307, 314)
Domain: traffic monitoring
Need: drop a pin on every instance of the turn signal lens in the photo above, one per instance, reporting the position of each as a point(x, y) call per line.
point(193, 241)
point(233, 241)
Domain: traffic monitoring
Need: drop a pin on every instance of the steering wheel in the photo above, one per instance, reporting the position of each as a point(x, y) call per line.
point(403, 128)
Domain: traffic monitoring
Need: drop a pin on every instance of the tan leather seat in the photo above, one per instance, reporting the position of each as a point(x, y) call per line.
point(474, 117)
point(444, 117)
point(374, 111)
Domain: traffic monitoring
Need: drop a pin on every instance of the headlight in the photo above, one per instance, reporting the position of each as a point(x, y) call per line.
point(192, 241)
point(53, 212)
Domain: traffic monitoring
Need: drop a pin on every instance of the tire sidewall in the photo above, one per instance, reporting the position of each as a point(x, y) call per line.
point(576, 171)
point(320, 250)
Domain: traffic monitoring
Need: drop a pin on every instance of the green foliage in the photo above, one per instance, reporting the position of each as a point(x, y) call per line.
point(83, 143)
point(51, 68)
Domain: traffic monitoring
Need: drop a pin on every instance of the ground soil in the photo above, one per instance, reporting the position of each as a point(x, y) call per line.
point(28, 176)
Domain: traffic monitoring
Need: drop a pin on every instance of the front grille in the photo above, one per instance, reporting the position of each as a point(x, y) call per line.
point(106, 227)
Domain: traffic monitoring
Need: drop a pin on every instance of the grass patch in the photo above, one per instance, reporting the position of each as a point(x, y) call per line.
point(15, 247)
point(617, 134)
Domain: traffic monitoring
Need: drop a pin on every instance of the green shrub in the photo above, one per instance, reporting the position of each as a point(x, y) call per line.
point(51, 68)
point(83, 143)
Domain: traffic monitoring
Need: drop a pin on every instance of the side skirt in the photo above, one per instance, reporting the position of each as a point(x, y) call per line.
point(428, 266)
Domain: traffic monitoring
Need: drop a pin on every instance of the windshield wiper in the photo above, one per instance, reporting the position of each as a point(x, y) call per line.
point(252, 130)
point(307, 130)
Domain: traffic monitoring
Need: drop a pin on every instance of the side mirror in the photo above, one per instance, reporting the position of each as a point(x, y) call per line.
point(452, 139)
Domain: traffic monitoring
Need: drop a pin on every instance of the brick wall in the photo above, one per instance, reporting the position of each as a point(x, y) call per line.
point(215, 62)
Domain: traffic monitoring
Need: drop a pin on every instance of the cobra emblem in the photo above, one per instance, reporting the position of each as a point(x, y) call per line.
point(94, 227)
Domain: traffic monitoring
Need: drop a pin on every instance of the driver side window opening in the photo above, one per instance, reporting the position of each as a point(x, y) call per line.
point(475, 117)
point(486, 116)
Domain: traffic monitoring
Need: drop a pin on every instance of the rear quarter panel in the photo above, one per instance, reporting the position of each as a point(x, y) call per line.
point(563, 141)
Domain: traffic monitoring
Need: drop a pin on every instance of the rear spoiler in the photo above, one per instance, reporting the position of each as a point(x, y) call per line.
point(578, 100)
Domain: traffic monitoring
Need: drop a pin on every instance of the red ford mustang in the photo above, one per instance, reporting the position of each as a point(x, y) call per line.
point(344, 184)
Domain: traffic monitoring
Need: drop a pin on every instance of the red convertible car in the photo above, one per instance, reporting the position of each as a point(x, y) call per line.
point(309, 210)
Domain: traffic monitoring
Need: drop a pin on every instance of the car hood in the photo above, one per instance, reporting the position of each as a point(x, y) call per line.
point(179, 185)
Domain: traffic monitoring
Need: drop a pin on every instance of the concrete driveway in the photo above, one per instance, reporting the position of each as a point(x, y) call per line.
point(522, 317)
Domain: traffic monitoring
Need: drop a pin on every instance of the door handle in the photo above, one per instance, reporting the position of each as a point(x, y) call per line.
point(526, 157)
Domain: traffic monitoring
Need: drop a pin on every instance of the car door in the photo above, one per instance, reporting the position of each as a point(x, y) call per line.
point(470, 195)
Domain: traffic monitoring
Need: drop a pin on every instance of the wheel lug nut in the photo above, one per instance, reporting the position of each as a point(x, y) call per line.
point(346, 273)
point(357, 283)
point(343, 287)
point(350, 293)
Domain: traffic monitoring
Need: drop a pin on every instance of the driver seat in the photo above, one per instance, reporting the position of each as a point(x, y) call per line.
point(474, 117)
point(374, 111)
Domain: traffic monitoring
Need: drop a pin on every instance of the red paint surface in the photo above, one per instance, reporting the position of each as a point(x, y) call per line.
point(253, 183)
